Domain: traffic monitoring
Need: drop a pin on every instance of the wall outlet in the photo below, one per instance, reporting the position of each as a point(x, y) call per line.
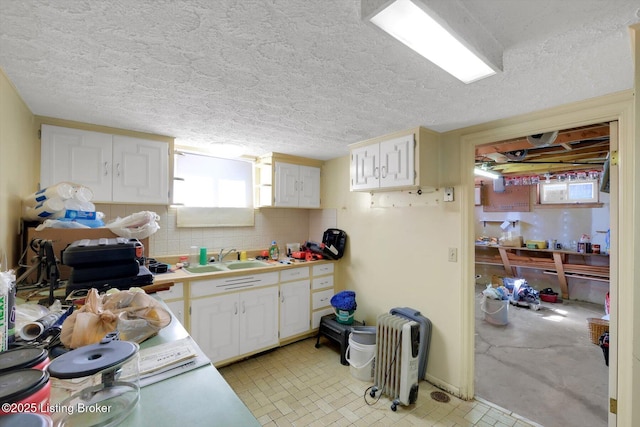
point(448, 194)
point(453, 255)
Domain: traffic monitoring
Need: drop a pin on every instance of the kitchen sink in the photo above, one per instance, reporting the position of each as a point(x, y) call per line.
point(239, 265)
point(209, 268)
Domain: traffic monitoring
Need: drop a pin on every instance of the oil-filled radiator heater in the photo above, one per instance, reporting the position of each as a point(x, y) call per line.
point(397, 359)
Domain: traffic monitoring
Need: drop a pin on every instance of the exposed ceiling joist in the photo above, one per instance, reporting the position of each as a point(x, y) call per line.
point(564, 137)
point(584, 148)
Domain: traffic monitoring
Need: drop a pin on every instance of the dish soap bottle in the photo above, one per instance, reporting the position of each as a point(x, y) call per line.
point(274, 252)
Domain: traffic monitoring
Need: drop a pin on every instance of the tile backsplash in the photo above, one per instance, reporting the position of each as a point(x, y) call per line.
point(282, 225)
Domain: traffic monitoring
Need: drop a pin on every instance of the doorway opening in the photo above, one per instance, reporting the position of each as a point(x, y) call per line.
point(542, 364)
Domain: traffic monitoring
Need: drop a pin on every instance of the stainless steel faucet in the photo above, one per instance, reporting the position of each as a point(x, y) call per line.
point(222, 254)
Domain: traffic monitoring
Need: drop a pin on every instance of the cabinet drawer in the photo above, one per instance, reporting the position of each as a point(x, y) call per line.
point(174, 292)
point(294, 274)
point(317, 316)
point(322, 282)
point(319, 270)
point(322, 298)
point(206, 287)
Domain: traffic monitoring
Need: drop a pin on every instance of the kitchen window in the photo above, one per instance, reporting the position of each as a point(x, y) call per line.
point(206, 181)
point(212, 191)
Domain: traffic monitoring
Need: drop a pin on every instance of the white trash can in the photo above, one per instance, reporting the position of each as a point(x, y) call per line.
point(361, 359)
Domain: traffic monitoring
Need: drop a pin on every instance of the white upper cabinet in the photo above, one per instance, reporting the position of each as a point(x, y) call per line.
point(399, 161)
point(77, 156)
point(287, 181)
point(297, 186)
point(116, 168)
point(396, 162)
point(140, 170)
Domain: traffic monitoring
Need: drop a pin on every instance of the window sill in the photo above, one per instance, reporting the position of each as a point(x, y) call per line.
point(567, 205)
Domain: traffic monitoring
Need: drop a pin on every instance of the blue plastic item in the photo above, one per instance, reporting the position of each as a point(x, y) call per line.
point(345, 300)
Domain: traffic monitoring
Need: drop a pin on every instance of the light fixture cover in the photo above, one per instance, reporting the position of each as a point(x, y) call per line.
point(486, 173)
point(411, 25)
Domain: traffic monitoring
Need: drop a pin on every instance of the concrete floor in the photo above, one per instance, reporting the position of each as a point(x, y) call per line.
point(542, 364)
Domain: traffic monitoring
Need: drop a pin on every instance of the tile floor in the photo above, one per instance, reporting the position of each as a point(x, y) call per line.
point(299, 385)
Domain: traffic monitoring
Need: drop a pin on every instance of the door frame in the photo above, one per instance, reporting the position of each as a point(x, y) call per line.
point(616, 107)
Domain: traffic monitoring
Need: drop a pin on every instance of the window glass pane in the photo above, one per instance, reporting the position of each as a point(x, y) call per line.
point(554, 193)
point(204, 181)
point(581, 191)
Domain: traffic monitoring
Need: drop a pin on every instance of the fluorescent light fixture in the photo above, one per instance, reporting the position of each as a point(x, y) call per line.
point(486, 173)
point(411, 25)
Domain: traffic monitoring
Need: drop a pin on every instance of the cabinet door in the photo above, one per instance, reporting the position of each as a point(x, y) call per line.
point(397, 162)
point(258, 319)
point(286, 185)
point(294, 308)
point(77, 156)
point(365, 164)
point(177, 308)
point(140, 170)
point(215, 326)
point(309, 187)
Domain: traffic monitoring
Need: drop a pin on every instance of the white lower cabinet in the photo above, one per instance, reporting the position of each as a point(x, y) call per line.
point(322, 291)
point(294, 308)
point(235, 316)
point(177, 308)
point(230, 325)
point(174, 299)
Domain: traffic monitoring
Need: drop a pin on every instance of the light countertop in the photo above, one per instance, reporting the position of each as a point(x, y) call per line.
point(197, 397)
point(181, 275)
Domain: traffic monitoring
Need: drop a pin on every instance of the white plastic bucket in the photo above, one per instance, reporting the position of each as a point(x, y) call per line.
point(361, 360)
point(495, 311)
point(364, 335)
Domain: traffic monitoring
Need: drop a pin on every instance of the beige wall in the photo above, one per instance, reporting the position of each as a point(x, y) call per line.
point(397, 257)
point(19, 165)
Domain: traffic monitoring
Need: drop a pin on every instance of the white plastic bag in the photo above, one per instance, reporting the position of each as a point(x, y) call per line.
point(491, 292)
point(137, 226)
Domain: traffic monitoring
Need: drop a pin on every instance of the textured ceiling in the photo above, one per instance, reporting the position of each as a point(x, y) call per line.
point(303, 77)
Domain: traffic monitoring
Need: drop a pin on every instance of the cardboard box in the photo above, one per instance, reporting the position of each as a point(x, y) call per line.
point(62, 237)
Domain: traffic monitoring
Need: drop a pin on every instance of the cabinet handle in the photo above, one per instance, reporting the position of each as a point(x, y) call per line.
point(282, 299)
point(323, 299)
point(376, 175)
point(117, 169)
point(384, 171)
point(236, 306)
point(106, 171)
point(243, 309)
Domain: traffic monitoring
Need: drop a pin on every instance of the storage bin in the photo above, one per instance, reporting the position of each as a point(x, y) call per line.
point(549, 297)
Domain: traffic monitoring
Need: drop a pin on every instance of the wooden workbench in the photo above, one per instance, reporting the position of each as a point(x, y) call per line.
point(561, 263)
